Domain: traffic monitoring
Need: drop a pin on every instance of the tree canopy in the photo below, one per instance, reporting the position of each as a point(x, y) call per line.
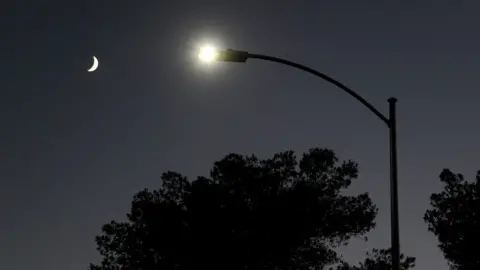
point(251, 213)
point(454, 218)
point(379, 259)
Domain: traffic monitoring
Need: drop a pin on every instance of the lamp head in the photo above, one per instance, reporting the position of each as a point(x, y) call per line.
point(210, 54)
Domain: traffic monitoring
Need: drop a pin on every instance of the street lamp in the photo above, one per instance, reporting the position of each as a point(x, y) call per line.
point(209, 54)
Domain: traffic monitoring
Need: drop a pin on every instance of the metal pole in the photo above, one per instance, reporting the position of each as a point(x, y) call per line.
point(395, 234)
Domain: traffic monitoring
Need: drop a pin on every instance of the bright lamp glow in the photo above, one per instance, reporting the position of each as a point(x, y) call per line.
point(207, 54)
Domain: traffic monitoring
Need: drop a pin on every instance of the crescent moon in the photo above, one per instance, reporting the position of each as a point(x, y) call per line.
point(94, 66)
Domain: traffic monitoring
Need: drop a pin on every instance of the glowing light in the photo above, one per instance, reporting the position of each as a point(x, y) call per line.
point(208, 53)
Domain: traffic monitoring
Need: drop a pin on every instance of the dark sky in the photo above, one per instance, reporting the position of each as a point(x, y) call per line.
point(75, 146)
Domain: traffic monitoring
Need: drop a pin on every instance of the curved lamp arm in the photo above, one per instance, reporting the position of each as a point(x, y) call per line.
point(242, 56)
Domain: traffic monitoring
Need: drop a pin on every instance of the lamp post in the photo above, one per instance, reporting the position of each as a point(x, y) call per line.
point(210, 54)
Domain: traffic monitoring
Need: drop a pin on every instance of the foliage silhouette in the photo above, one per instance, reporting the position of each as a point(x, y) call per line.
point(250, 213)
point(454, 219)
point(379, 259)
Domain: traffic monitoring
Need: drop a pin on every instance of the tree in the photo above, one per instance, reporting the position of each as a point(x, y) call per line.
point(250, 213)
point(454, 218)
point(379, 259)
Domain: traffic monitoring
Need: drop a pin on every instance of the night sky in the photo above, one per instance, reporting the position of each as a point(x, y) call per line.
point(75, 146)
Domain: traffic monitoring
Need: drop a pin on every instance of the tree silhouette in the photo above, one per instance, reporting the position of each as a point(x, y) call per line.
point(379, 259)
point(250, 213)
point(454, 218)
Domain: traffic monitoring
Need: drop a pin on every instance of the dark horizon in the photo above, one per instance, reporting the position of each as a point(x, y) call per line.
point(78, 145)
